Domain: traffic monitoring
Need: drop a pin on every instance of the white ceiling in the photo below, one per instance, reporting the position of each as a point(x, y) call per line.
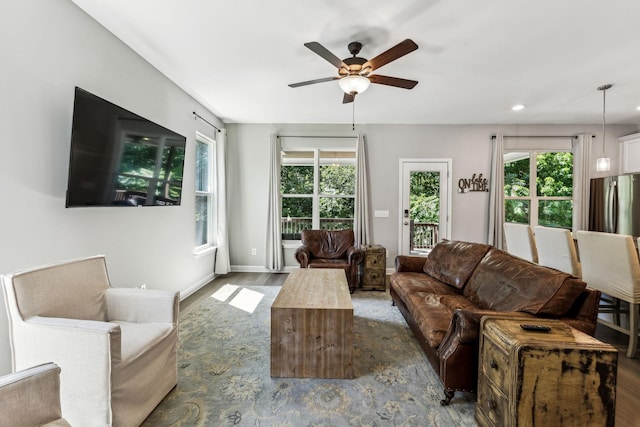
point(476, 58)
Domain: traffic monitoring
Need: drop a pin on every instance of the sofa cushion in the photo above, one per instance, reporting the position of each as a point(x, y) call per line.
point(407, 283)
point(453, 262)
point(507, 283)
point(433, 313)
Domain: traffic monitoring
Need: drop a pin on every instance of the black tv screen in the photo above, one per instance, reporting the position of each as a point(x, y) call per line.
point(121, 159)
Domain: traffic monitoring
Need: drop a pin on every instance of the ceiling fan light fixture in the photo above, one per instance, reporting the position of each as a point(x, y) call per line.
point(354, 84)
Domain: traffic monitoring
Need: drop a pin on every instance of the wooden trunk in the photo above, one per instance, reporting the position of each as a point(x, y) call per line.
point(312, 326)
point(373, 271)
point(558, 378)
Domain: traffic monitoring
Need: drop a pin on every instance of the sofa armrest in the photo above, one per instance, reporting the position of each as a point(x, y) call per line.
point(142, 305)
point(410, 263)
point(583, 314)
point(465, 324)
point(303, 256)
point(355, 255)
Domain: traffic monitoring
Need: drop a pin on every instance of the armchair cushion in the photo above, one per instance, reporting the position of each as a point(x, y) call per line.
point(74, 292)
point(328, 244)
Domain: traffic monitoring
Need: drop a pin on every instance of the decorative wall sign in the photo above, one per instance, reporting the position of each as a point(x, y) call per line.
point(475, 183)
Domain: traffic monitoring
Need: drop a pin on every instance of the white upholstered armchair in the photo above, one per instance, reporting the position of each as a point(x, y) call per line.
point(117, 347)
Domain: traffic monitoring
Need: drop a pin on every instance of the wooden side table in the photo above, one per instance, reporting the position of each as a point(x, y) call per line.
point(373, 271)
point(561, 377)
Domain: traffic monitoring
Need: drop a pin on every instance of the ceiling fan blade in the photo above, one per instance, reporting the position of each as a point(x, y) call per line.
point(393, 81)
point(347, 98)
point(311, 82)
point(389, 55)
point(326, 54)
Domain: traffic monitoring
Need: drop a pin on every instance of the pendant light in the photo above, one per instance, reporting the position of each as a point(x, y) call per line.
point(603, 163)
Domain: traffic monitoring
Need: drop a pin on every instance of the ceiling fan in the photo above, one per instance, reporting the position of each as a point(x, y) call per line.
point(354, 74)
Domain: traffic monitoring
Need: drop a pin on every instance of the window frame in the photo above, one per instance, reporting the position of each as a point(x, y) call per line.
point(209, 193)
point(317, 162)
point(533, 198)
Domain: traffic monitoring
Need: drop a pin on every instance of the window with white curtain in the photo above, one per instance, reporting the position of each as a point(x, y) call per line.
point(205, 195)
point(318, 189)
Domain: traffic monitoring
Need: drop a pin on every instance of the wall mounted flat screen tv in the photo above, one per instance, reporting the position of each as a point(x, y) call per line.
point(121, 159)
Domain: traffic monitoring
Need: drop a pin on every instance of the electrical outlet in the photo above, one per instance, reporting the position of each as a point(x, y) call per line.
point(253, 251)
point(143, 286)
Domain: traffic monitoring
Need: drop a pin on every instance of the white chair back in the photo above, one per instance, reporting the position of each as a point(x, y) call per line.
point(556, 249)
point(610, 264)
point(520, 241)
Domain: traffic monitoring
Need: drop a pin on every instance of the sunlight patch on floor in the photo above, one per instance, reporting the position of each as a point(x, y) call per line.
point(224, 292)
point(247, 300)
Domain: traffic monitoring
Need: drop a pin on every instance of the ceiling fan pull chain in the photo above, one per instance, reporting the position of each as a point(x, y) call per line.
point(353, 114)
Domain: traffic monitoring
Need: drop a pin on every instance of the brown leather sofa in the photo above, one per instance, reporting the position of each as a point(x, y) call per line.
point(444, 296)
point(330, 249)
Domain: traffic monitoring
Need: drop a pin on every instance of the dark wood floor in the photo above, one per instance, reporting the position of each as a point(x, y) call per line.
point(628, 385)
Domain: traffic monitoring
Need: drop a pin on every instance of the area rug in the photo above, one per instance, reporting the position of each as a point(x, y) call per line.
point(224, 372)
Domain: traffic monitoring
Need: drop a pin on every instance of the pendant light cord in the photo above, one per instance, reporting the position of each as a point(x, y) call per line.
point(604, 106)
point(604, 88)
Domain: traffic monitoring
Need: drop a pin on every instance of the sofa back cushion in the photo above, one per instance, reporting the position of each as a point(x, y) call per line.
point(507, 283)
point(72, 289)
point(452, 262)
point(328, 244)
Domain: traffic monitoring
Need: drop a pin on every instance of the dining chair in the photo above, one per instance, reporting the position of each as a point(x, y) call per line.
point(520, 241)
point(610, 264)
point(556, 249)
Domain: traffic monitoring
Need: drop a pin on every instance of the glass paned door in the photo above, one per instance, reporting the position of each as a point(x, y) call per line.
point(425, 204)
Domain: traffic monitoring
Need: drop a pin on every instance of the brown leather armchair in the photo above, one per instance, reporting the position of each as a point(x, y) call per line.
point(330, 249)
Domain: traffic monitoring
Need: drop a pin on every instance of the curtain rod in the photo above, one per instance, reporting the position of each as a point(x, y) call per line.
point(206, 121)
point(314, 136)
point(539, 136)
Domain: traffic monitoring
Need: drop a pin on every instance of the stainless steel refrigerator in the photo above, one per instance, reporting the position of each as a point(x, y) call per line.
point(614, 205)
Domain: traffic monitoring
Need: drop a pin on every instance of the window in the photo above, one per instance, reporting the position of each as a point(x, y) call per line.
point(538, 188)
point(204, 192)
point(318, 190)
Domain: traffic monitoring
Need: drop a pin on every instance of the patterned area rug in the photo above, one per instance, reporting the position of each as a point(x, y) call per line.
point(224, 373)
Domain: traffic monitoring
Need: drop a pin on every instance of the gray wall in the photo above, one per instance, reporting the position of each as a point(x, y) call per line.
point(469, 146)
point(48, 48)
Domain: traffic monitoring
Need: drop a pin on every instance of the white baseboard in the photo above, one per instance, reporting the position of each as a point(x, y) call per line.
point(261, 269)
point(193, 288)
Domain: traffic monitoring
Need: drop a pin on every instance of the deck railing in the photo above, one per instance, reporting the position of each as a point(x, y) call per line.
point(424, 235)
point(292, 227)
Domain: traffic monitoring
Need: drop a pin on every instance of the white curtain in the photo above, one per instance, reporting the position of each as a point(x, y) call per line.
point(275, 257)
point(361, 220)
point(222, 233)
point(496, 193)
point(581, 148)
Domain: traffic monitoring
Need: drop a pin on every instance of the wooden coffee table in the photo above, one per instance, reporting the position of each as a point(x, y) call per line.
point(312, 326)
